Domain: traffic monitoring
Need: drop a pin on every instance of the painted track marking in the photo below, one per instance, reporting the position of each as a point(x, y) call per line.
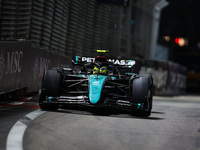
point(20, 102)
point(26, 103)
point(16, 134)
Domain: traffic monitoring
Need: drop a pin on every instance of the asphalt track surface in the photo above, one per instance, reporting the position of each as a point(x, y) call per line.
point(173, 125)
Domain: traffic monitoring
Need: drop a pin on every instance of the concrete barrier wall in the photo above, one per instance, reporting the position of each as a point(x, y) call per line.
point(22, 66)
point(169, 77)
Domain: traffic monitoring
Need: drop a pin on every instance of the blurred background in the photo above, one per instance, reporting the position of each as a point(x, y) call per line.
point(179, 31)
point(161, 35)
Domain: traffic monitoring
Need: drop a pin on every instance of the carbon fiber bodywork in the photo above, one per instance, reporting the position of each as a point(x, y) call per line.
point(75, 90)
point(72, 86)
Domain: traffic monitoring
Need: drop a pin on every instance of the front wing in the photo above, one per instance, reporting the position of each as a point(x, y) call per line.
point(84, 101)
point(75, 91)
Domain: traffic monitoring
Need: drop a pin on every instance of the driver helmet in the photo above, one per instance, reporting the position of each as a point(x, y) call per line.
point(103, 70)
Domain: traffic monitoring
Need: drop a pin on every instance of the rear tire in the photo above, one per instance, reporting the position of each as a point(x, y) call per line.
point(142, 93)
point(51, 87)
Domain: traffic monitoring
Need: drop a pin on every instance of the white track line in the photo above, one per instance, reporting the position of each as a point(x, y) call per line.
point(16, 134)
point(19, 103)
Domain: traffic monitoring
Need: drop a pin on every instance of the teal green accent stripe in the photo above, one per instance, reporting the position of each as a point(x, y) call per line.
point(77, 58)
point(96, 83)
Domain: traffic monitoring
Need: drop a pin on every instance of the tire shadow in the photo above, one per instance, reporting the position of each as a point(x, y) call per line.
point(106, 112)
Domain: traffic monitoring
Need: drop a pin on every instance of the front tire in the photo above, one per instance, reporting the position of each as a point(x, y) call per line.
point(142, 93)
point(51, 87)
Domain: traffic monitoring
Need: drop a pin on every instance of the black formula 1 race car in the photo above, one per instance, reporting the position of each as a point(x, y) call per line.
point(97, 82)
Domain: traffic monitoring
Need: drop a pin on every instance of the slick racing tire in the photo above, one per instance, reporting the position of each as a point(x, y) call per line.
point(142, 93)
point(51, 86)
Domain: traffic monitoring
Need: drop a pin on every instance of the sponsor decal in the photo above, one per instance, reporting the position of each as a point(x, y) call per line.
point(10, 62)
point(40, 65)
point(124, 62)
point(97, 83)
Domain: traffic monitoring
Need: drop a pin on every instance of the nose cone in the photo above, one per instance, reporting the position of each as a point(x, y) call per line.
point(96, 83)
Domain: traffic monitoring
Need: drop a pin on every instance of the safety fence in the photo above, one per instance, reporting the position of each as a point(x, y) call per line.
point(169, 78)
point(64, 27)
point(15, 19)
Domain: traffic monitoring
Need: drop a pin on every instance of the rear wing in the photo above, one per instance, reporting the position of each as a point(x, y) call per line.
point(121, 63)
